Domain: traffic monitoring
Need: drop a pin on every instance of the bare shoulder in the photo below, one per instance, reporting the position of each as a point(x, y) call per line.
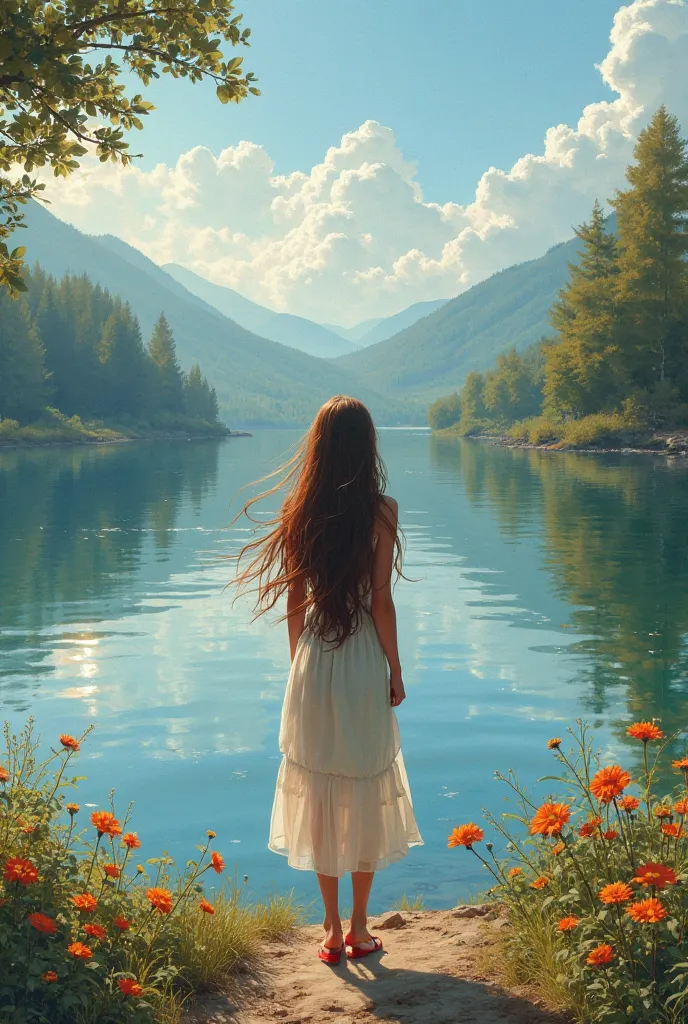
point(391, 503)
point(388, 513)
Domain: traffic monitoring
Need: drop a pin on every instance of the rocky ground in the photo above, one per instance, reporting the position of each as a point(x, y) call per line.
point(435, 969)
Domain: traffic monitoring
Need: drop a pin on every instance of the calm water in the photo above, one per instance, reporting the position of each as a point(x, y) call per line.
point(548, 587)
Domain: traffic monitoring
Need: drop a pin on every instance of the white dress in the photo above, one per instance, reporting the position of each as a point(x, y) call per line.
point(342, 801)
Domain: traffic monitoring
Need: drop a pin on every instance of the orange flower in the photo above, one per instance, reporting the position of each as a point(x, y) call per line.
point(656, 875)
point(129, 987)
point(554, 744)
point(4, 774)
point(515, 872)
point(629, 803)
point(616, 892)
point(69, 742)
point(645, 731)
point(121, 924)
point(567, 924)
point(161, 899)
point(681, 807)
point(43, 923)
point(647, 911)
point(73, 808)
point(106, 823)
point(218, 863)
point(96, 931)
point(19, 870)
point(208, 908)
point(49, 976)
point(79, 951)
point(682, 764)
point(29, 829)
point(600, 955)
point(549, 819)
point(610, 834)
point(662, 811)
point(559, 848)
point(131, 840)
point(111, 870)
point(210, 834)
point(609, 782)
point(540, 883)
point(465, 835)
point(589, 828)
point(673, 830)
point(85, 902)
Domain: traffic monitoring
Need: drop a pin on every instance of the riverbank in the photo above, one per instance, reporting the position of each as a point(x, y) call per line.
point(438, 967)
point(75, 432)
point(674, 443)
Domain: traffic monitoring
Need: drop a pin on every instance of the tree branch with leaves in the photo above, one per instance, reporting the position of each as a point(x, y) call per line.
point(61, 94)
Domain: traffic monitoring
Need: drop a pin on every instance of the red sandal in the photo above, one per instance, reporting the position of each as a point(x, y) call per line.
point(330, 956)
point(358, 952)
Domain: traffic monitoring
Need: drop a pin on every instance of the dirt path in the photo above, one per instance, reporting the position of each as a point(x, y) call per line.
point(432, 972)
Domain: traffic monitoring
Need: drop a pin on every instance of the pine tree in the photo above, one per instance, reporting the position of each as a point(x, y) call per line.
point(22, 393)
point(57, 336)
point(200, 400)
point(653, 233)
point(167, 377)
point(126, 379)
point(582, 372)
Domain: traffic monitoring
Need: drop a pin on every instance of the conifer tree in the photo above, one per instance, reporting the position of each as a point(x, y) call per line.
point(126, 378)
point(167, 377)
point(200, 400)
point(653, 233)
point(22, 394)
point(582, 372)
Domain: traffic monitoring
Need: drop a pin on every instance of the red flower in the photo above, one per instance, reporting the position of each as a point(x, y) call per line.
point(610, 834)
point(43, 923)
point(19, 870)
point(515, 872)
point(129, 987)
point(218, 863)
point(600, 955)
point(567, 924)
point(609, 782)
point(662, 811)
point(464, 835)
point(540, 883)
point(106, 823)
point(673, 830)
point(69, 742)
point(589, 828)
point(49, 976)
point(656, 875)
point(161, 899)
point(549, 819)
point(4, 774)
point(681, 807)
point(131, 840)
point(629, 803)
point(111, 870)
point(96, 931)
point(681, 765)
point(79, 951)
point(647, 911)
point(121, 924)
point(208, 908)
point(645, 731)
point(85, 902)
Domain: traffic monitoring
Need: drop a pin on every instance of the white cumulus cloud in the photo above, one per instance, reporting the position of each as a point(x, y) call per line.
point(354, 238)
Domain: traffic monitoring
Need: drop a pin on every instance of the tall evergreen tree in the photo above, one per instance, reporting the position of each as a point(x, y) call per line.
point(200, 400)
point(582, 372)
point(126, 377)
point(22, 393)
point(653, 233)
point(58, 340)
point(167, 376)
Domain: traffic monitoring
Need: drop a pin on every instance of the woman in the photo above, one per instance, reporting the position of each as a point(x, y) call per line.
point(342, 802)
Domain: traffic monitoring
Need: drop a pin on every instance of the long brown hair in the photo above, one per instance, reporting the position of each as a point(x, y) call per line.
point(323, 534)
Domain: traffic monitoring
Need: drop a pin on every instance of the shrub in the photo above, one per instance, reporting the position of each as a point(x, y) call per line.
point(537, 430)
point(87, 933)
point(596, 889)
point(598, 429)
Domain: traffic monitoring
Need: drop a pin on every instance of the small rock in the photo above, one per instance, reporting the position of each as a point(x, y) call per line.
point(279, 1011)
point(468, 910)
point(393, 921)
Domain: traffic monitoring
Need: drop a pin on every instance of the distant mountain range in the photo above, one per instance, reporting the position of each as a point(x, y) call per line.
point(408, 359)
point(258, 381)
point(433, 356)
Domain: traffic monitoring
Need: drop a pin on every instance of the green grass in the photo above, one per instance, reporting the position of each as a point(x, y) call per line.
point(595, 431)
point(405, 904)
point(55, 428)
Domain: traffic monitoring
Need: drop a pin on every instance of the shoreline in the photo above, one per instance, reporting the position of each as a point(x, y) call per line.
point(674, 445)
point(27, 443)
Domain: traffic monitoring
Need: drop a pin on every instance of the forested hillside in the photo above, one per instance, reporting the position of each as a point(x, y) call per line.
point(257, 381)
point(73, 347)
point(434, 356)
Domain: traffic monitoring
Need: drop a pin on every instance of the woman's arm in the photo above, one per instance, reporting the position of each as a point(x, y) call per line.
point(296, 613)
point(382, 603)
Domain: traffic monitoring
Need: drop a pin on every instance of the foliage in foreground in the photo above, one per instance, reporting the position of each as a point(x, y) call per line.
point(596, 896)
point(88, 933)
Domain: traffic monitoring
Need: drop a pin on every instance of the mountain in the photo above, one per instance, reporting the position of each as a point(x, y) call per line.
point(356, 332)
point(294, 331)
point(258, 381)
point(392, 325)
point(434, 355)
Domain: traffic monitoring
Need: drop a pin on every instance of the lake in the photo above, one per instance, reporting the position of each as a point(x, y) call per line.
point(543, 587)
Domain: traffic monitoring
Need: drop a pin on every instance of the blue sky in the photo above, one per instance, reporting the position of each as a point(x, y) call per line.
point(465, 84)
